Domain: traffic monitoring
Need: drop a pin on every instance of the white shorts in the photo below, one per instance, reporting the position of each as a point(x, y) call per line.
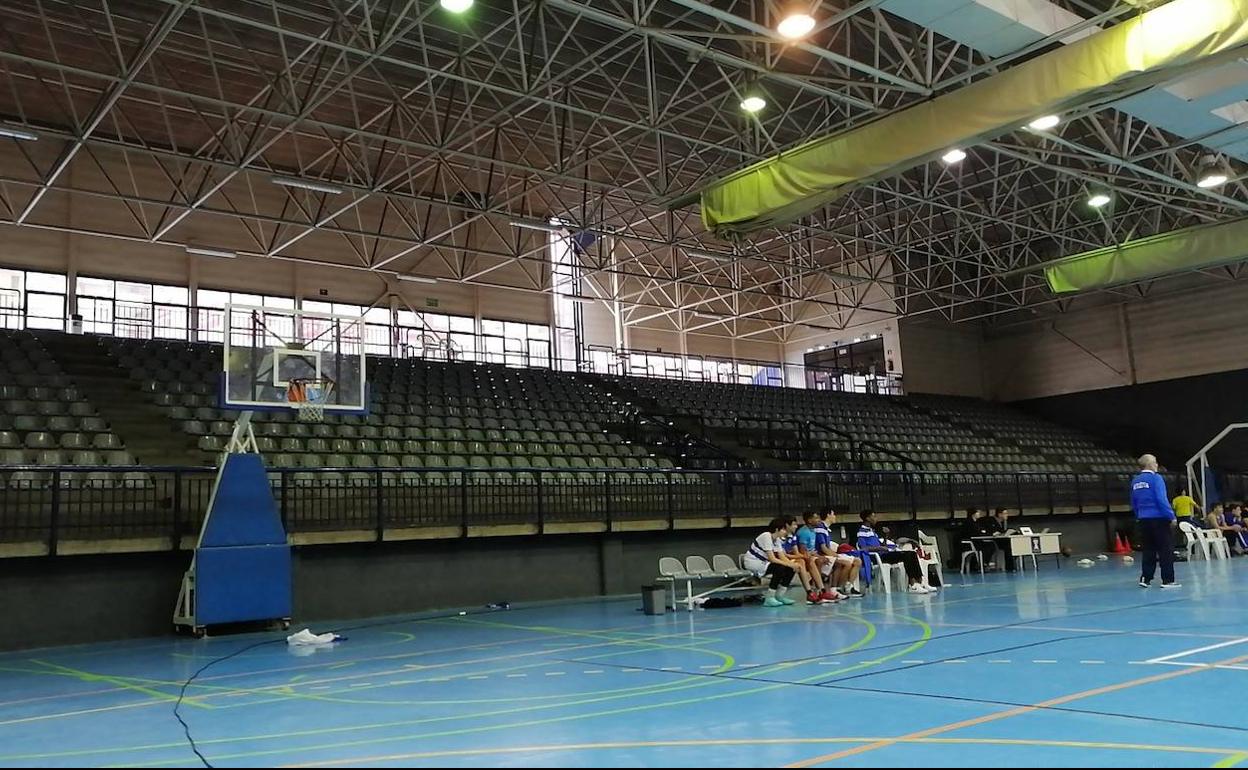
point(759, 568)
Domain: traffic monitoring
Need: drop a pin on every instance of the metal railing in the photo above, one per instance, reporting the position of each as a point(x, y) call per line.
point(55, 505)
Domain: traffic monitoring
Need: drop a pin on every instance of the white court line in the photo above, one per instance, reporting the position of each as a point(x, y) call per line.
point(1185, 653)
point(1199, 665)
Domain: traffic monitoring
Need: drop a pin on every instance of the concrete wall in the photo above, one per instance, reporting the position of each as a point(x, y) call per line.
point(81, 599)
point(1183, 334)
point(1172, 419)
point(943, 358)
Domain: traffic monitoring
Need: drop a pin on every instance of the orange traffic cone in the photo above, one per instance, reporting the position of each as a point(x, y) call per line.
point(1121, 545)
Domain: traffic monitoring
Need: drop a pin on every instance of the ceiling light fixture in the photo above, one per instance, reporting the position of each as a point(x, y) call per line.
point(955, 155)
point(1213, 172)
point(416, 279)
point(18, 133)
point(455, 6)
point(753, 103)
point(796, 25)
point(202, 251)
point(1212, 179)
point(305, 184)
point(1044, 123)
point(1099, 200)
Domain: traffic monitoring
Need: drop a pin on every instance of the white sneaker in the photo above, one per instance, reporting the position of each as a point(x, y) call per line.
point(918, 588)
point(1171, 585)
point(931, 589)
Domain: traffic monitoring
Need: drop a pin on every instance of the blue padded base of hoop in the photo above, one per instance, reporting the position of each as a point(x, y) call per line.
point(242, 564)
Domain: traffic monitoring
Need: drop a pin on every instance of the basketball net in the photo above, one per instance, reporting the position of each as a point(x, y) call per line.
point(308, 396)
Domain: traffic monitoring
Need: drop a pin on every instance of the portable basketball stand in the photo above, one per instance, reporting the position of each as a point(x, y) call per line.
point(240, 572)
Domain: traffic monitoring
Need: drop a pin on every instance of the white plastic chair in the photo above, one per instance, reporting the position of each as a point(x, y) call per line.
point(886, 573)
point(724, 564)
point(923, 565)
point(1216, 541)
point(1194, 541)
point(697, 565)
point(672, 571)
point(966, 555)
point(931, 545)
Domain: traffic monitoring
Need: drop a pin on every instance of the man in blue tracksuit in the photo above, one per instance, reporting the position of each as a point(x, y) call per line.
point(1155, 516)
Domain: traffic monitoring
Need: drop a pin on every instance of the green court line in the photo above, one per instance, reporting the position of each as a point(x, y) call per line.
point(699, 681)
point(1232, 760)
point(859, 615)
point(283, 688)
point(572, 717)
point(122, 682)
point(752, 742)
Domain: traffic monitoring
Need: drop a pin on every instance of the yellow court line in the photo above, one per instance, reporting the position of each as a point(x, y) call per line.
point(1008, 713)
point(572, 717)
point(770, 742)
point(659, 689)
point(158, 698)
point(779, 667)
point(1232, 760)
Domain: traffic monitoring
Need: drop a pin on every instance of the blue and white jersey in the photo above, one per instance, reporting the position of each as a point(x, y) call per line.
point(823, 536)
point(1148, 497)
point(762, 545)
point(790, 543)
point(867, 537)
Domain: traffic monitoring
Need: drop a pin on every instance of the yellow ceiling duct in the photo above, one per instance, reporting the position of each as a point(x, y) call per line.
point(1128, 57)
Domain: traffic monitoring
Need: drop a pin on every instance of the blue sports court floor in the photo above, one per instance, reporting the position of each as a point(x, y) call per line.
point(1076, 667)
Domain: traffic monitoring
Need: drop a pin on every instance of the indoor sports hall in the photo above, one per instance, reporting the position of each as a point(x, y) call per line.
point(592, 383)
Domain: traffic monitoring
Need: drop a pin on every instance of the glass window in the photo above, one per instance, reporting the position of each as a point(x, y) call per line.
point(173, 295)
point(95, 287)
point(49, 282)
point(12, 284)
point(134, 292)
point(45, 311)
point(210, 298)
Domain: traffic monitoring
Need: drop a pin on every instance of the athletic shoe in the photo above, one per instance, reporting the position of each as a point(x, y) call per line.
point(1171, 585)
point(918, 588)
point(814, 598)
point(772, 601)
point(784, 599)
point(931, 589)
point(852, 592)
point(830, 595)
point(1143, 583)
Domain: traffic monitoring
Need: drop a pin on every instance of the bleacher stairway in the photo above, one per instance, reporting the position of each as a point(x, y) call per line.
point(142, 426)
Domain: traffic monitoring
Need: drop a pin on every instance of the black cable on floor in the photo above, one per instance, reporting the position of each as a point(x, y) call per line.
point(177, 706)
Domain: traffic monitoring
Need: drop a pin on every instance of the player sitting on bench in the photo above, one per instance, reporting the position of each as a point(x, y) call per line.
point(846, 567)
point(765, 558)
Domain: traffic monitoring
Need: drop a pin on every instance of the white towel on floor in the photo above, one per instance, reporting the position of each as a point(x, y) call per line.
point(305, 638)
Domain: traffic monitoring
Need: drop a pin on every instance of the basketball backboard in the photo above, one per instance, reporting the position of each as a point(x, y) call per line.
point(269, 349)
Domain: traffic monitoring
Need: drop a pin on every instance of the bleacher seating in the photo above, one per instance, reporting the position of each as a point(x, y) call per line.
point(46, 420)
point(772, 419)
point(503, 421)
point(424, 414)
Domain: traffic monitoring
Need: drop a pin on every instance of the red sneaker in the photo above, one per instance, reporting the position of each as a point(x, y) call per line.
point(814, 598)
point(831, 596)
